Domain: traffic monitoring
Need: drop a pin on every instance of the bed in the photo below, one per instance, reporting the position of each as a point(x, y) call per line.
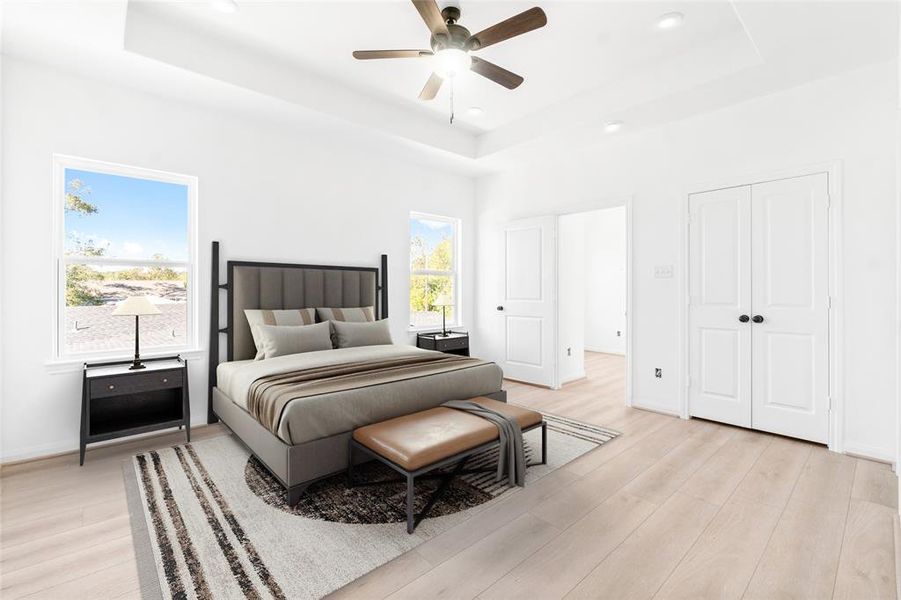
point(301, 434)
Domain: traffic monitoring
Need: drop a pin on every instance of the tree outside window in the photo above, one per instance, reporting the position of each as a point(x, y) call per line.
point(434, 269)
point(125, 232)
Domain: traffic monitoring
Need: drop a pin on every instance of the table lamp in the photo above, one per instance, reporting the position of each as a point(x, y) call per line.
point(443, 300)
point(136, 306)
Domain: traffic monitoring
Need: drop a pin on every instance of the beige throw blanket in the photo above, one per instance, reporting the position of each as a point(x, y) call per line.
point(269, 396)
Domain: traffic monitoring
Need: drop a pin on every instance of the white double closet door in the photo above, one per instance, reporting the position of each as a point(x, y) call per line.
point(759, 306)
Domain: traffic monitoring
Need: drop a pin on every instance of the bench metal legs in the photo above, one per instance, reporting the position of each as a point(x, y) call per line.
point(411, 522)
point(445, 483)
point(459, 461)
point(543, 442)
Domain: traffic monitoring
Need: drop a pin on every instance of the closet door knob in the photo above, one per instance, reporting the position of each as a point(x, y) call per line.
point(500, 308)
point(744, 318)
point(757, 319)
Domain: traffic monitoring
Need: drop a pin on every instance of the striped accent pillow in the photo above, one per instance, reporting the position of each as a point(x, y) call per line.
point(353, 315)
point(295, 316)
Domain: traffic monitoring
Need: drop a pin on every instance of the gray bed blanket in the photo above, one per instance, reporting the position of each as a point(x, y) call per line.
point(270, 396)
point(511, 455)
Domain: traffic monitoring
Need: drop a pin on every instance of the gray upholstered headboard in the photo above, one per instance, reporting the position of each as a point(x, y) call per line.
point(277, 286)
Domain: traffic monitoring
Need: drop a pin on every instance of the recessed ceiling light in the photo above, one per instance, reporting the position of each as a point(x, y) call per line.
point(475, 111)
point(670, 20)
point(613, 126)
point(226, 6)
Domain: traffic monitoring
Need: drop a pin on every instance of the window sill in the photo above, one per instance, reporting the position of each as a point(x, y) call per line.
point(450, 326)
point(71, 365)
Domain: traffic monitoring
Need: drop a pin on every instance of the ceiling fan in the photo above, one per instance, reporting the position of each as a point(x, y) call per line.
point(452, 43)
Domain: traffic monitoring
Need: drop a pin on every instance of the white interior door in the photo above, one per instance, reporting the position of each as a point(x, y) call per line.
point(719, 304)
point(791, 296)
point(528, 305)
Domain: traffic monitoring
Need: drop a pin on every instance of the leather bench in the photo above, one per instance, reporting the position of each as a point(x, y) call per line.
point(421, 442)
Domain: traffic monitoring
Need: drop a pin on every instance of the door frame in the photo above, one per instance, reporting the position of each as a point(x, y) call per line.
point(592, 205)
point(833, 171)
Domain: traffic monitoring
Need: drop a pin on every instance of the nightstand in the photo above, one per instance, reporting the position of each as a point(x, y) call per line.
point(118, 402)
point(452, 343)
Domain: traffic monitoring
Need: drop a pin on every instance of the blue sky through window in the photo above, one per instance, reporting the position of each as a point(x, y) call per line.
point(431, 232)
point(135, 218)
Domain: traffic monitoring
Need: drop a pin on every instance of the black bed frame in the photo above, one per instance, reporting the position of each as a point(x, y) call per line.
point(381, 275)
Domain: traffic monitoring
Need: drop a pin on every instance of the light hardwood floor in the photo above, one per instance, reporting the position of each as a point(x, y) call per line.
point(671, 509)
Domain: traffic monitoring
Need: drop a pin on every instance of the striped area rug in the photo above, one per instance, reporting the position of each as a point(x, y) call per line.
point(209, 521)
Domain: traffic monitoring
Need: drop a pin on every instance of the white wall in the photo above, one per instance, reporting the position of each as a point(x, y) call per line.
point(605, 280)
point(850, 118)
point(266, 193)
point(571, 285)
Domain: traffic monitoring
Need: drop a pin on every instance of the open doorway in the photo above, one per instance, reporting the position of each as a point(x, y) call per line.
point(592, 303)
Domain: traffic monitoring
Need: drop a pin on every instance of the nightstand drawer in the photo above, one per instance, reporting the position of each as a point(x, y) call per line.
point(453, 343)
point(138, 382)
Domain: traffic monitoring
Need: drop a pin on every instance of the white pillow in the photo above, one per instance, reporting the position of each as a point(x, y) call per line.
point(296, 316)
point(279, 340)
point(351, 335)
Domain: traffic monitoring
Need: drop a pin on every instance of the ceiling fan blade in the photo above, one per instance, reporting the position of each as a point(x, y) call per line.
point(522, 23)
point(370, 54)
point(495, 73)
point(430, 13)
point(431, 87)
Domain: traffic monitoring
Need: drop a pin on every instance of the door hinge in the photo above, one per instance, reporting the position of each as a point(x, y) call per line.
point(829, 399)
point(828, 301)
point(828, 201)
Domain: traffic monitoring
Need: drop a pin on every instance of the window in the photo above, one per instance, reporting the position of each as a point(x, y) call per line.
point(434, 270)
point(121, 232)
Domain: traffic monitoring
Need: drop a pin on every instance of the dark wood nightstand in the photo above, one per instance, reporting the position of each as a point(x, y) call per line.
point(117, 402)
point(452, 343)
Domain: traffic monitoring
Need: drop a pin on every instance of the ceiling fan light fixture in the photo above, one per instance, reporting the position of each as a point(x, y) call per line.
point(670, 20)
point(450, 62)
point(613, 126)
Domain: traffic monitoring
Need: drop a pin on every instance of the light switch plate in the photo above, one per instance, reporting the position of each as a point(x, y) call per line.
point(663, 272)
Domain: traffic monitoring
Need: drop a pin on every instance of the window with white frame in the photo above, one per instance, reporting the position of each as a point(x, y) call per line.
point(434, 270)
point(121, 232)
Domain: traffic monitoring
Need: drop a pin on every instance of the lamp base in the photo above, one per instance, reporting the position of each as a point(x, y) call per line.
point(137, 365)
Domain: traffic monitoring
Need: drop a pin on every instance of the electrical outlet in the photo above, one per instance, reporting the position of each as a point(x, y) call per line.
point(569, 351)
point(663, 272)
point(658, 373)
point(619, 333)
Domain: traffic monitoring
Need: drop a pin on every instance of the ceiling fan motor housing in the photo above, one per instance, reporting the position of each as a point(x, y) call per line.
point(458, 38)
point(459, 35)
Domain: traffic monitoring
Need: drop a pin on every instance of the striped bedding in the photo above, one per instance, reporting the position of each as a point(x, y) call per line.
point(305, 397)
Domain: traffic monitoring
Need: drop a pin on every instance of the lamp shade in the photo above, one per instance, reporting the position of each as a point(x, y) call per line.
point(443, 300)
point(135, 306)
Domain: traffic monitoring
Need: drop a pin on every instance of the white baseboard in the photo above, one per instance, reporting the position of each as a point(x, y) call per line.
point(655, 406)
point(38, 452)
point(53, 449)
point(870, 452)
point(616, 351)
point(576, 377)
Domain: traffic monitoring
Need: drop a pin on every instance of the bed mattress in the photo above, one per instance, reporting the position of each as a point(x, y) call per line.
point(310, 418)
